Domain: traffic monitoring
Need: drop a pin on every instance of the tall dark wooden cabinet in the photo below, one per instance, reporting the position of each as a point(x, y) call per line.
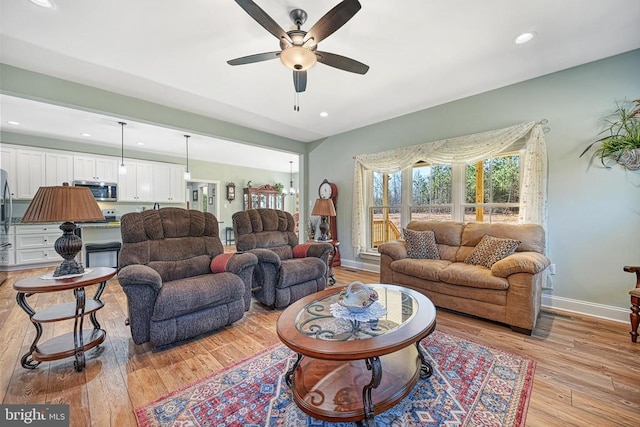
point(265, 196)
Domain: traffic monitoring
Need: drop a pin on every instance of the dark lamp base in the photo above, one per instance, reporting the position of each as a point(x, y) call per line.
point(324, 228)
point(67, 246)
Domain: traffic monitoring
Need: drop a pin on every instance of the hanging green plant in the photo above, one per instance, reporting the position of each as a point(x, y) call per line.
point(621, 142)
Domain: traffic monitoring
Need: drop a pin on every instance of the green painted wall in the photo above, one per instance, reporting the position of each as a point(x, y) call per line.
point(594, 213)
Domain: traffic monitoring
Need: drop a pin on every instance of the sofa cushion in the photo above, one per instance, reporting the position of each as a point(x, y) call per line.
point(183, 296)
point(477, 276)
point(427, 269)
point(299, 270)
point(490, 250)
point(421, 244)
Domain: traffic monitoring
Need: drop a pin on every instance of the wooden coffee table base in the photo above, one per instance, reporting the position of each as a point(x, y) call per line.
point(355, 390)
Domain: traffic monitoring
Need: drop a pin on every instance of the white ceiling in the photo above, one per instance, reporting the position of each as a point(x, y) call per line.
point(421, 54)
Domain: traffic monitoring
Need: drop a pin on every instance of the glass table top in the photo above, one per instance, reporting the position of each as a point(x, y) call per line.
point(315, 319)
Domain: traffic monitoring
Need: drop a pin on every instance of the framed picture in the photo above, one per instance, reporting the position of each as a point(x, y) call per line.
point(195, 195)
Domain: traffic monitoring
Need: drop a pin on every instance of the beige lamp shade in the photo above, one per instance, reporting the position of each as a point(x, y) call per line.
point(324, 207)
point(63, 203)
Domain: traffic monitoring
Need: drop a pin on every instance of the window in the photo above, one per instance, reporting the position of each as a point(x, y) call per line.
point(386, 207)
point(432, 190)
point(484, 191)
point(497, 200)
point(493, 189)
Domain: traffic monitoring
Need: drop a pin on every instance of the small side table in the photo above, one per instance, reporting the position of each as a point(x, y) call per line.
point(73, 343)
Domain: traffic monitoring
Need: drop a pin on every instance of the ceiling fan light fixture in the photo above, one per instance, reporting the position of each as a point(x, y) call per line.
point(298, 58)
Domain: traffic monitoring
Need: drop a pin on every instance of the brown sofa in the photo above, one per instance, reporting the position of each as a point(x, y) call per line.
point(166, 273)
point(509, 292)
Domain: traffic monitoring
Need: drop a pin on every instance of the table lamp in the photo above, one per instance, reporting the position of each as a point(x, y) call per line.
point(324, 208)
point(64, 204)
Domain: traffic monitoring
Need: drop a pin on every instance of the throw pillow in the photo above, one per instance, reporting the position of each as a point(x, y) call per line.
point(421, 244)
point(491, 250)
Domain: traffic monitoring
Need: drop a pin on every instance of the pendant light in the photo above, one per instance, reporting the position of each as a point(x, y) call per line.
point(187, 174)
point(292, 190)
point(122, 170)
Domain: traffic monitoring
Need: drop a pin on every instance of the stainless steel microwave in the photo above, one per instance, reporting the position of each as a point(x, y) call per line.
point(102, 191)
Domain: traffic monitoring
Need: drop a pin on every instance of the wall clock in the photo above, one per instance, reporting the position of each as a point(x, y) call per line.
point(231, 191)
point(329, 190)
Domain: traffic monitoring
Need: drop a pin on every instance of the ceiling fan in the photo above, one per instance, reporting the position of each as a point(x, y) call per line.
point(298, 48)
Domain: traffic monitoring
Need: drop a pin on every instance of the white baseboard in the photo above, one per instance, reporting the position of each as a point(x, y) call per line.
point(566, 304)
point(371, 268)
point(587, 308)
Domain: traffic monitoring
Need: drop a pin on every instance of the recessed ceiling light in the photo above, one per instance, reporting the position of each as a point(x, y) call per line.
point(324, 114)
point(140, 143)
point(86, 135)
point(524, 37)
point(13, 122)
point(48, 4)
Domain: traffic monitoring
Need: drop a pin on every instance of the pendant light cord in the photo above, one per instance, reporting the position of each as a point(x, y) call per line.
point(122, 125)
point(187, 143)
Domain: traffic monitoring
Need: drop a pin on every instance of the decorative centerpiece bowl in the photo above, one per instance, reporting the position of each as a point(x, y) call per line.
point(357, 297)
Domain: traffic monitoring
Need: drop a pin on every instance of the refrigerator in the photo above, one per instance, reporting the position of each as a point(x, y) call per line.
point(6, 210)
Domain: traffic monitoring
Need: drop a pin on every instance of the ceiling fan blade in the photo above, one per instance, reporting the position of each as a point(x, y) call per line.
point(263, 19)
point(300, 81)
point(342, 62)
point(258, 57)
point(332, 20)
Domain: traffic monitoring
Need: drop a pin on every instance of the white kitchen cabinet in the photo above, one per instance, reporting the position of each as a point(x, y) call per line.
point(8, 256)
point(30, 173)
point(168, 183)
point(136, 185)
point(103, 169)
point(58, 169)
point(35, 243)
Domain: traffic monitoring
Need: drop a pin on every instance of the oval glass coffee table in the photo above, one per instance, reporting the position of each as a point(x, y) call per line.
point(349, 370)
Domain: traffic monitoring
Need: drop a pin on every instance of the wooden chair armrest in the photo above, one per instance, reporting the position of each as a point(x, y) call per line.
point(634, 269)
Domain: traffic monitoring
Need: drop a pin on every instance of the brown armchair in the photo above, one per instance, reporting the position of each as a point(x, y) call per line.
point(166, 264)
point(635, 303)
point(286, 270)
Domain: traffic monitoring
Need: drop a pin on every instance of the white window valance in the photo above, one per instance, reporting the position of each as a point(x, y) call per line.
point(463, 149)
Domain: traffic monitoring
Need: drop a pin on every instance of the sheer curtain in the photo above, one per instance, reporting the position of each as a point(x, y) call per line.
point(470, 148)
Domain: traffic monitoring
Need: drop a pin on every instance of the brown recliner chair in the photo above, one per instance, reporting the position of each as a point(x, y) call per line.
point(286, 270)
point(166, 264)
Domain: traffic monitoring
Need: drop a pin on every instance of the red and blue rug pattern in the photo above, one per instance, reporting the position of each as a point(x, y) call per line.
point(472, 385)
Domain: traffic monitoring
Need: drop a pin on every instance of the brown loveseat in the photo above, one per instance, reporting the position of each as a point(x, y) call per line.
point(286, 270)
point(166, 273)
point(508, 292)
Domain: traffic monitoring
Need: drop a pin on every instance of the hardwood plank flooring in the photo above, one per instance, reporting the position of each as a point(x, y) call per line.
point(587, 369)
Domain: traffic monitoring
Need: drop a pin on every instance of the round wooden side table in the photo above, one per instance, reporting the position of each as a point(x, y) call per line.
point(73, 343)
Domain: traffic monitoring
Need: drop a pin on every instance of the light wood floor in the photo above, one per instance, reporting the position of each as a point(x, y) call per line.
point(587, 374)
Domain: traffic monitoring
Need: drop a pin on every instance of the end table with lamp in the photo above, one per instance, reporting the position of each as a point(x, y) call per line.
point(64, 204)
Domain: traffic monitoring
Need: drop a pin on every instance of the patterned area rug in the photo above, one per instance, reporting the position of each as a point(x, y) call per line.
point(471, 385)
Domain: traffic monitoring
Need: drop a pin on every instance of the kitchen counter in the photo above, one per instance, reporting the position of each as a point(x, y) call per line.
point(109, 224)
